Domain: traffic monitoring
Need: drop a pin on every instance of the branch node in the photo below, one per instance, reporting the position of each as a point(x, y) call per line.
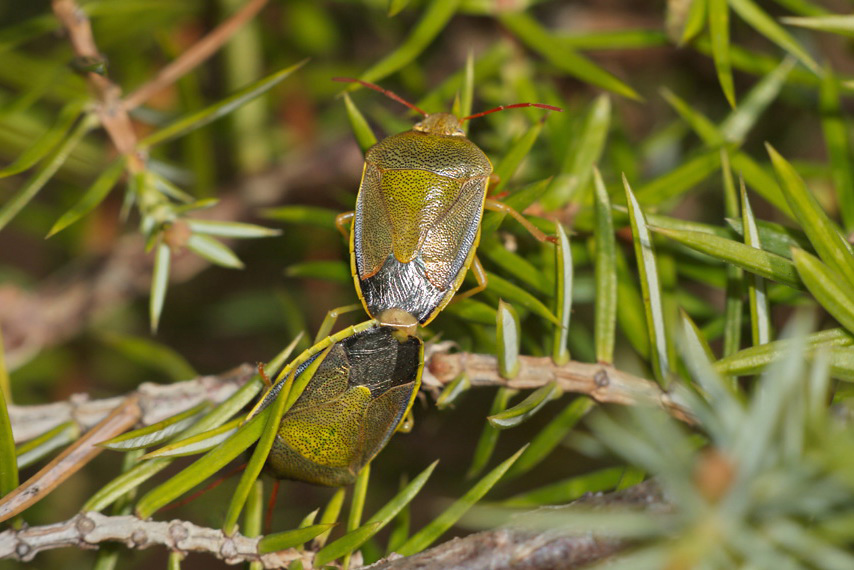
point(24, 551)
point(84, 525)
point(228, 551)
point(177, 533)
point(601, 378)
point(139, 538)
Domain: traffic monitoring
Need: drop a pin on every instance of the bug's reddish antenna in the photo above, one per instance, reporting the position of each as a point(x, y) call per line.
point(386, 92)
point(514, 106)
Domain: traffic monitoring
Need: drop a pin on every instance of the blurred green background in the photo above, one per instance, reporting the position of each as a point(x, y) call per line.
point(294, 146)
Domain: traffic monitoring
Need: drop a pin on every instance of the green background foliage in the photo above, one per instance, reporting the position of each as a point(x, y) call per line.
point(700, 176)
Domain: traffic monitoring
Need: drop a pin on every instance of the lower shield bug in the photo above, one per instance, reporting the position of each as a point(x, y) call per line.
point(359, 386)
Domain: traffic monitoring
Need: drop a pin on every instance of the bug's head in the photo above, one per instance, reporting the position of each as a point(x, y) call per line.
point(440, 124)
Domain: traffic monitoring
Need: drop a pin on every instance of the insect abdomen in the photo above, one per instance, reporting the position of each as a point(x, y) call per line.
point(403, 286)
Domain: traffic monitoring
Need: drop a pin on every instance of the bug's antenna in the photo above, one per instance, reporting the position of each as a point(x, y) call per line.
point(514, 106)
point(386, 92)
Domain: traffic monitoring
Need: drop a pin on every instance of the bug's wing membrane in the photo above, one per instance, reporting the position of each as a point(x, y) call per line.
point(394, 388)
point(384, 415)
point(380, 360)
point(453, 236)
point(318, 439)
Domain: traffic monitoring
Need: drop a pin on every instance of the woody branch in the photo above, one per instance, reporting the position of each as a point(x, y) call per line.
point(90, 529)
point(603, 383)
point(494, 548)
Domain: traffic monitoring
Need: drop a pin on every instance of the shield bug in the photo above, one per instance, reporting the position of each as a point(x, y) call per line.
point(416, 225)
point(359, 385)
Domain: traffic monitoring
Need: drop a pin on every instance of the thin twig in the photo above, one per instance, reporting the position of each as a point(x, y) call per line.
point(110, 108)
point(193, 57)
point(156, 401)
point(603, 383)
point(108, 96)
point(88, 530)
point(70, 460)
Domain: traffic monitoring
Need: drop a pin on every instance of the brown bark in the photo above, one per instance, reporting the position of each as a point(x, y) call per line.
point(520, 549)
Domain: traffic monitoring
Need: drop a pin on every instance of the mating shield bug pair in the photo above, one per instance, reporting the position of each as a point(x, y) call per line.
point(413, 236)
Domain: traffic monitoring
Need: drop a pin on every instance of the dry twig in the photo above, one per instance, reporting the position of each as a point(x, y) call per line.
point(71, 460)
point(515, 547)
point(88, 530)
point(112, 111)
point(193, 57)
point(108, 103)
point(507, 547)
point(602, 382)
point(156, 402)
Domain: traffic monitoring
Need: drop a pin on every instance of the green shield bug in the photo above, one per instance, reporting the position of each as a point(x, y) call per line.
point(358, 386)
point(416, 225)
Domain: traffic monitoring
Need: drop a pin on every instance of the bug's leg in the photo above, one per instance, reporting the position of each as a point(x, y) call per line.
point(407, 424)
point(492, 183)
point(497, 206)
point(331, 317)
point(492, 186)
point(264, 376)
point(480, 276)
point(341, 221)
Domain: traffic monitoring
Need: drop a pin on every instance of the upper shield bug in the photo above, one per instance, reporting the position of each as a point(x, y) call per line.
point(359, 385)
point(416, 225)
